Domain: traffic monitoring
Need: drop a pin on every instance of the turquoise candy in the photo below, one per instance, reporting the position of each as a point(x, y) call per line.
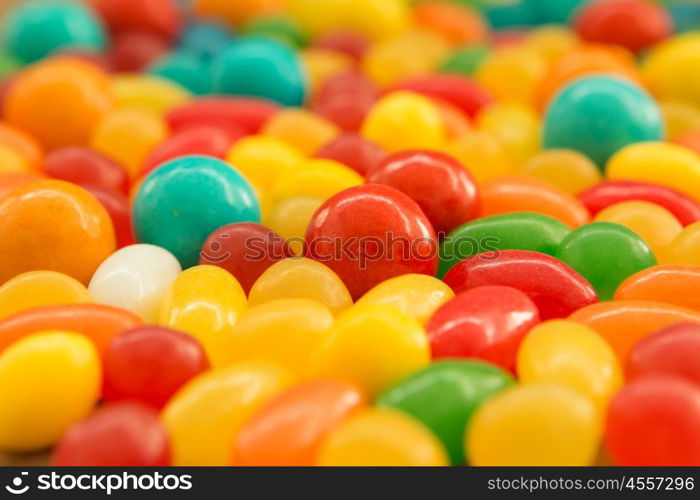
point(186, 70)
point(35, 29)
point(600, 115)
point(555, 11)
point(205, 39)
point(260, 67)
point(183, 201)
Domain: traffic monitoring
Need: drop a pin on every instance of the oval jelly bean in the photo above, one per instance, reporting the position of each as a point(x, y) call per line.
point(516, 126)
point(230, 113)
point(677, 284)
point(86, 167)
point(119, 210)
point(40, 288)
point(483, 154)
point(316, 178)
point(302, 129)
point(354, 151)
point(569, 170)
point(669, 68)
point(291, 217)
point(684, 249)
point(512, 74)
point(129, 15)
point(22, 143)
point(148, 93)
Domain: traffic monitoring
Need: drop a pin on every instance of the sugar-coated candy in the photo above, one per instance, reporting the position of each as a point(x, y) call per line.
point(204, 418)
point(185, 70)
point(354, 151)
point(22, 143)
point(134, 51)
point(301, 129)
point(86, 167)
point(680, 118)
point(466, 60)
point(235, 13)
point(204, 38)
point(162, 18)
point(684, 249)
point(485, 322)
point(569, 170)
point(181, 203)
point(663, 407)
point(290, 218)
point(381, 438)
point(148, 93)
point(204, 301)
point(119, 209)
point(290, 428)
point(36, 410)
point(126, 434)
point(516, 126)
point(512, 74)
point(483, 154)
point(230, 113)
point(461, 386)
point(534, 425)
point(669, 68)
point(34, 289)
point(317, 178)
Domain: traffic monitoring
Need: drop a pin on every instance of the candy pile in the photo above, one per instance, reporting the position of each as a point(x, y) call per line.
point(367, 232)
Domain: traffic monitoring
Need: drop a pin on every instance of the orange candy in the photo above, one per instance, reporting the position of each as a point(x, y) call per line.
point(55, 226)
point(690, 140)
point(673, 284)
point(288, 430)
point(11, 180)
point(22, 143)
point(624, 323)
point(455, 23)
point(521, 193)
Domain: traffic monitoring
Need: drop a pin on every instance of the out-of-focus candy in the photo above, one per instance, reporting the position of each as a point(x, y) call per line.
point(162, 17)
point(669, 68)
point(380, 438)
point(605, 254)
point(534, 425)
point(149, 364)
point(484, 322)
point(235, 13)
point(372, 346)
point(556, 289)
point(119, 210)
point(674, 284)
point(680, 118)
point(206, 302)
point(684, 249)
point(185, 70)
point(21, 143)
point(512, 74)
point(354, 151)
point(552, 41)
point(37, 409)
point(301, 129)
point(229, 113)
point(415, 295)
point(322, 65)
point(382, 234)
point(517, 127)
point(441, 186)
point(148, 92)
point(345, 41)
point(662, 407)
point(300, 278)
point(134, 51)
point(181, 203)
point(86, 167)
point(571, 354)
point(458, 24)
point(289, 429)
point(578, 117)
point(460, 386)
point(40, 288)
point(482, 154)
point(569, 170)
point(53, 225)
point(276, 27)
point(290, 217)
point(317, 178)
point(135, 278)
point(345, 99)
point(205, 416)
point(465, 60)
point(204, 38)
point(12, 180)
point(11, 161)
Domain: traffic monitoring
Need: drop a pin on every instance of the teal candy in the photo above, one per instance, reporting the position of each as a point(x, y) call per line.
point(182, 202)
point(555, 11)
point(260, 67)
point(205, 39)
point(186, 70)
point(34, 30)
point(600, 115)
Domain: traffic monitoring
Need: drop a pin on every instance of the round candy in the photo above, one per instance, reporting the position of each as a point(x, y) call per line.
point(301, 129)
point(135, 278)
point(148, 93)
point(465, 60)
point(119, 210)
point(345, 41)
point(86, 167)
point(368, 234)
point(512, 74)
point(34, 374)
point(290, 217)
point(579, 117)
point(21, 143)
point(460, 386)
point(684, 249)
point(569, 170)
point(516, 126)
point(315, 178)
point(185, 70)
point(118, 435)
point(134, 51)
point(536, 425)
point(677, 284)
point(40, 288)
point(345, 99)
point(483, 154)
point(354, 151)
point(53, 225)
point(181, 203)
point(485, 323)
point(291, 427)
point(162, 17)
point(235, 13)
point(669, 69)
point(229, 113)
point(204, 38)
point(381, 437)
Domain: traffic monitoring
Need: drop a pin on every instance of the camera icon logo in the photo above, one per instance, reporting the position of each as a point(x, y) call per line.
point(16, 487)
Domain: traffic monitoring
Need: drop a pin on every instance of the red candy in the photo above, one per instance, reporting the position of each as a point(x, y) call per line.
point(119, 210)
point(354, 151)
point(553, 286)
point(150, 363)
point(442, 187)
point(119, 435)
point(368, 234)
point(159, 17)
point(685, 209)
point(487, 322)
point(135, 50)
point(86, 167)
point(345, 100)
point(245, 250)
point(672, 351)
point(234, 114)
point(653, 421)
point(345, 41)
point(634, 24)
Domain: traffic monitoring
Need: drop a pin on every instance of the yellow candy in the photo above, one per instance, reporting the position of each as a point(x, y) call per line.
point(263, 159)
point(128, 136)
point(11, 161)
point(48, 382)
point(680, 118)
point(686, 247)
point(301, 278)
point(290, 218)
point(372, 346)
point(571, 354)
point(40, 288)
point(656, 225)
point(204, 417)
point(405, 120)
point(569, 170)
point(534, 425)
point(148, 92)
point(661, 163)
point(316, 178)
point(377, 18)
point(381, 438)
point(323, 64)
point(671, 69)
point(483, 155)
point(415, 295)
point(302, 129)
point(285, 332)
point(318, 17)
point(517, 127)
point(551, 42)
point(205, 301)
point(512, 74)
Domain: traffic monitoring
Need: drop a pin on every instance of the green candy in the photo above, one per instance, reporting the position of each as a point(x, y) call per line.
point(605, 254)
point(282, 29)
point(8, 65)
point(465, 61)
point(513, 231)
point(444, 397)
